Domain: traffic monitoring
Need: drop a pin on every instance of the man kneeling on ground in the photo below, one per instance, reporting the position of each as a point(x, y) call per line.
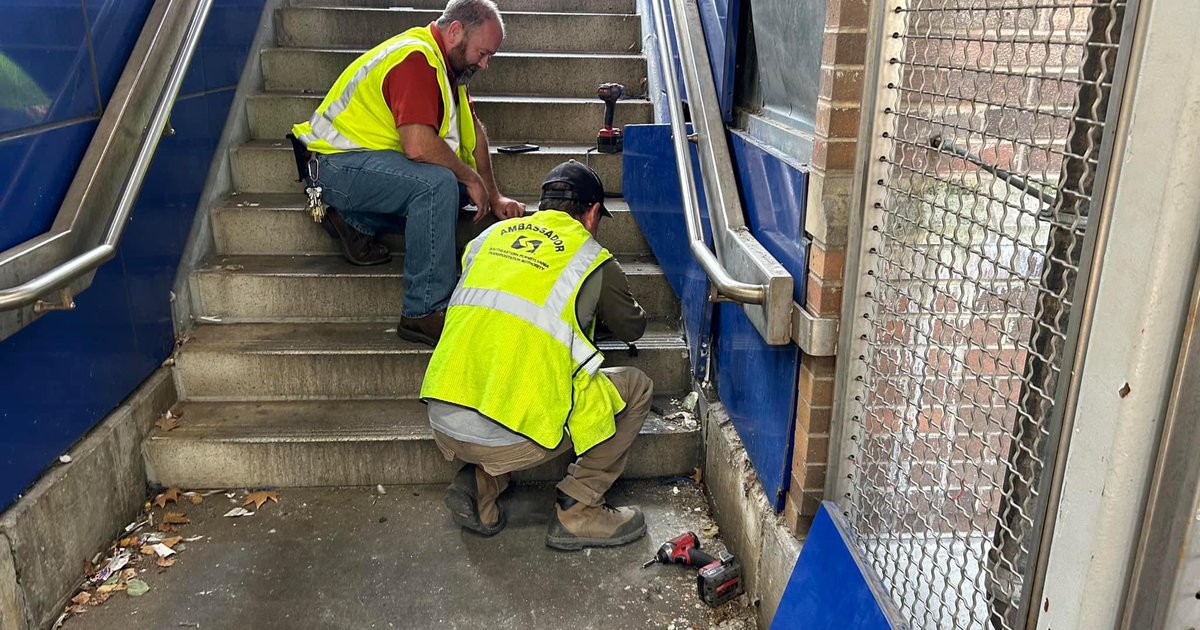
point(516, 380)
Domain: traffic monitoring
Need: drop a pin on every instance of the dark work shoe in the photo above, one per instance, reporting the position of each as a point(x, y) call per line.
point(576, 525)
point(358, 248)
point(462, 498)
point(426, 330)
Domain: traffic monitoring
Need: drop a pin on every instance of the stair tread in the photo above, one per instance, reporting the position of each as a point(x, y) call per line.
point(503, 54)
point(328, 421)
point(335, 266)
point(488, 98)
point(287, 338)
point(552, 148)
point(295, 202)
point(434, 13)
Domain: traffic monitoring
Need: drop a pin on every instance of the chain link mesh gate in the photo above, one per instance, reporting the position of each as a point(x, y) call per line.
point(984, 148)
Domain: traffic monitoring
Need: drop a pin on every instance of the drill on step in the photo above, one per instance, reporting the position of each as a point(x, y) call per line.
point(609, 140)
point(718, 579)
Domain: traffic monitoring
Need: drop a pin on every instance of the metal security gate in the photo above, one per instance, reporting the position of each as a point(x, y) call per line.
point(987, 147)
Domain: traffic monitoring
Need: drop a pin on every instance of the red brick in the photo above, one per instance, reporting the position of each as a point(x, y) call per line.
point(842, 48)
point(824, 298)
point(841, 84)
point(836, 121)
point(816, 390)
point(833, 154)
point(826, 263)
point(846, 13)
point(812, 419)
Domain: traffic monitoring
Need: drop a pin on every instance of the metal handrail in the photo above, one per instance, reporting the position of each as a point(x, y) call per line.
point(726, 285)
point(74, 268)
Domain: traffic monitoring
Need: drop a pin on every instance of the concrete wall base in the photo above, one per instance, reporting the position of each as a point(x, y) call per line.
point(76, 509)
point(749, 526)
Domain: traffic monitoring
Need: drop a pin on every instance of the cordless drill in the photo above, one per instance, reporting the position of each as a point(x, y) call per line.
point(609, 140)
point(719, 579)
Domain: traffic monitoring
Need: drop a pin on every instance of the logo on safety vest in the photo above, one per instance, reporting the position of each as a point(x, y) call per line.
point(523, 243)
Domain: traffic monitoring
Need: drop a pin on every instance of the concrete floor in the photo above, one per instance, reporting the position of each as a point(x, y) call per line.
point(352, 558)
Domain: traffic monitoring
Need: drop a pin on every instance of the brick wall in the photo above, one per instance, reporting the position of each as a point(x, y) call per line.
point(831, 176)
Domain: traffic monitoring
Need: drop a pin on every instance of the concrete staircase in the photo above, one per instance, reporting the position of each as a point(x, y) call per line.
point(293, 375)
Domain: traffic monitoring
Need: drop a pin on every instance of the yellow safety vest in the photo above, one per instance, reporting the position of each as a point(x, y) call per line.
point(354, 115)
point(512, 348)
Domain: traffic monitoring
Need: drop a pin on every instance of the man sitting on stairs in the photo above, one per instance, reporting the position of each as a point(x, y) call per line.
point(516, 380)
point(397, 137)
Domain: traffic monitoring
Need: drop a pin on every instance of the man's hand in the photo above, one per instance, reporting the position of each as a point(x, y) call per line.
point(478, 193)
point(505, 208)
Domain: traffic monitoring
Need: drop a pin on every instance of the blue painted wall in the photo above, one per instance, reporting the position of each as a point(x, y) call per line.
point(64, 373)
point(756, 382)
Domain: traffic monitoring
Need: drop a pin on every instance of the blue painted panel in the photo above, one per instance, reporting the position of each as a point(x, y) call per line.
point(116, 25)
point(226, 41)
point(45, 72)
point(39, 171)
point(64, 373)
point(757, 384)
point(831, 586)
point(652, 190)
point(774, 192)
point(720, 21)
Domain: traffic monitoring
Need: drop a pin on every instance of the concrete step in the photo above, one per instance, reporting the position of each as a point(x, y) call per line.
point(357, 361)
point(352, 443)
point(267, 166)
point(544, 32)
point(277, 223)
point(546, 74)
point(549, 6)
point(327, 288)
point(533, 119)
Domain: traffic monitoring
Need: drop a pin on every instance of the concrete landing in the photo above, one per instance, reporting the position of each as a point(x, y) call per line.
point(352, 558)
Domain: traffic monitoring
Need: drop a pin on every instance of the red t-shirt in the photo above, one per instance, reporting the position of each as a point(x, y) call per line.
point(411, 88)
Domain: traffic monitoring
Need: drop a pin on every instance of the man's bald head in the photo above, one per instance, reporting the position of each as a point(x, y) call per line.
point(471, 14)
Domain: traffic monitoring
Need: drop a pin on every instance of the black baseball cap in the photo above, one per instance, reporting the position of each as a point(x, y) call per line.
point(585, 185)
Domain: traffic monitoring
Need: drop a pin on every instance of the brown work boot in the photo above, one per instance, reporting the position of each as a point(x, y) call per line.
point(426, 330)
point(576, 525)
point(462, 497)
point(360, 249)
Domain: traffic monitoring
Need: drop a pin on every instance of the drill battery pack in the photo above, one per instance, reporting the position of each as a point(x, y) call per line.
point(720, 581)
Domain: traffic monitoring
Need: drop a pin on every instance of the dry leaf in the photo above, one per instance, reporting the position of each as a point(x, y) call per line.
point(170, 496)
point(148, 550)
point(167, 423)
point(260, 497)
point(107, 589)
point(165, 562)
point(82, 598)
point(176, 518)
point(196, 499)
point(170, 542)
point(129, 541)
point(99, 598)
point(129, 574)
point(167, 528)
point(697, 474)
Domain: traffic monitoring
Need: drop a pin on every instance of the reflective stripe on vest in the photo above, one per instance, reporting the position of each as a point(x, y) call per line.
point(322, 135)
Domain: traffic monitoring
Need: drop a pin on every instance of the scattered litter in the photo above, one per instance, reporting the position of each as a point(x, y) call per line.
point(711, 530)
point(697, 475)
point(237, 511)
point(271, 532)
point(675, 490)
point(66, 459)
point(689, 401)
point(230, 495)
point(136, 525)
point(390, 331)
point(116, 563)
point(254, 204)
point(231, 267)
point(165, 562)
point(211, 492)
point(192, 539)
point(380, 490)
point(167, 423)
point(258, 498)
point(162, 550)
point(82, 598)
point(136, 588)
point(195, 497)
point(208, 319)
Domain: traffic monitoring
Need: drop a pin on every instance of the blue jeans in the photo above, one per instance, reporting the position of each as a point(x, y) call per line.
point(373, 190)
